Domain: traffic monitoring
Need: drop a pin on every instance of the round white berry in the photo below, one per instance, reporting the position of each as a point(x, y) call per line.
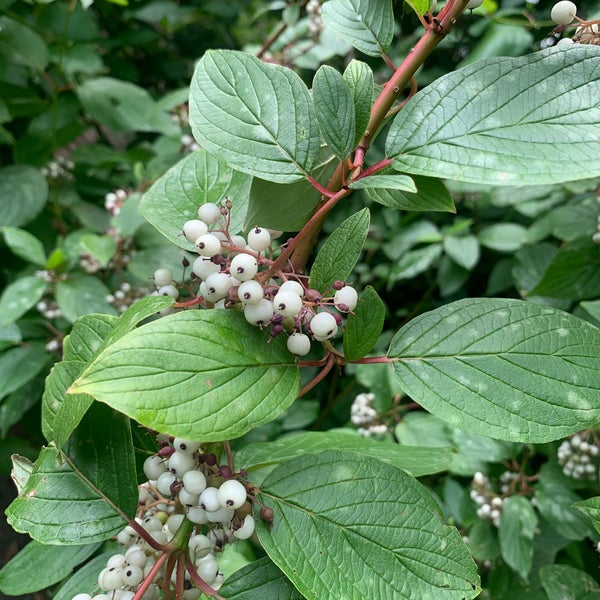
point(164, 483)
point(110, 579)
point(82, 597)
point(221, 515)
point(162, 277)
point(186, 498)
point(292, 286)
point(246, 530)
point(208, 245)
point(563, 12)
point(259, 239)
point(203, 267)
point(185, 446)
point(132, 575)
point(174, 522)
point(209, 212)
point(200, 545)
point(250, 292)
point(232, 494)
point(136, 556)
point(194, 482)
point(260, 313)
point(180, 463)
point(287, 303)
point(117, 561)
point(323, 326)
point(152, 524)
point(217, 286)
point(298, 344)
point(346, 299)
point(209, 499)
point(154, 467)
point(193, 229)
point(239, 241)
point(243, 267)
point(168, 290)
point(197, 515)
point(474, 4)
point(565, 42)
point(208, 569)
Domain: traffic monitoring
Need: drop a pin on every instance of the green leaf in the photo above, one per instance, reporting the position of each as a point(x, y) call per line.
point(517, 528)
point(364, 325)
point(463, 250)
point(593, 308)
point(421, 7)
point(416, 460)
point(503, 237)
point(24, 191)
point(87, 335)
point(563, 582)
point(24, 244)
point(100, 247)
point(18, 297)
point(340, 252)
point(431, 195)
point(504, 368)
point(502, 121)
point(287, 206)
point(15, 405)
point(241, 107)
point(82, 294)
point(531, 261)
point(205, 375)
point(414, 263)
point(402, 183)
point(334, 108)
point(359, 78)
point(20, 45)
point(85, 578)
point(61, 413)
point(574, 272)
point(260, 579)
point(198, 178)
point(20, 365)
point(123, 106)
point(367, 514)
point(39, 566)
point(555, 504)
point(366, 24)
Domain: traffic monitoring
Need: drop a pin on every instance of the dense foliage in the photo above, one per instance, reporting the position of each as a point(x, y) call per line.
point(301, 299)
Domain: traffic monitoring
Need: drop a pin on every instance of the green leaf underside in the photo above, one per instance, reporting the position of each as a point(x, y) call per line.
point(591, 507)
point(418, 461)
point(563, 582)
point(359, 77)
point(87, 335)
point(205, 375)
point(503, 368)
point(517, 529)
point(199, 178)
point(340, 252)
point(19, 365)
point(337, 509)
point(241, 107)
point(25, 244)
point(24, 191)
point(364, 325)
point(502, 121)
point(260, 579)
point(57, 507)
point(431, 195)
point(18, 297)
point(38, 566)
point(402, 183)
point(366, 24)
point(334, 108)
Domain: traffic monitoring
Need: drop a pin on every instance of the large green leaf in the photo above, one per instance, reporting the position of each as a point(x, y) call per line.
point(18, 297)
point(364, 325)
point(334, 107)
point(19, 365)
point(19, 44)
point(80, 496)
point(25, 244)
point(38, 566)
point(555, 503)
point(502, 121)
point(87, 335)
point(359, 77)
point(366, 24)
point(24, 192)
point(563, 582)
point(340, 252)
point(517, 529)
point(205, 375)
point(431, 195)
point(195, 180)
point(507, 369)
point(82, 294)
point(418, 461)
point(257, 117)
point(349, 526)
point(260, 579)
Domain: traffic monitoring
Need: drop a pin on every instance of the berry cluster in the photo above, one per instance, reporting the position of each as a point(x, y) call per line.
point(578, 456)
point(563, 13)
point(49, 309)
point(490, 504)
point(113, 201)
point(234, 272)
point(364, 416)
point(59, 168)
point(188, 143)
point(313, 10)
point(125, 296)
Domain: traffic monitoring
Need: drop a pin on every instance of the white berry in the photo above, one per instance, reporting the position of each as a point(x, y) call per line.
point(208, 245)
point(346, 299)
point(200, 545)
point(217, 286)
point(193, 229)
point(474, 4)
point(168, 290)
point(292, 286)
point(243, 267)
point(250, 292)
point(194, 482)
point(162, 277)
point(164, 483)
point(154, 467)
point(563, 12)
point(208, 569)
point(185, 446)
point(246, 530)
point(260, 313)
point(203, 267)
point(232, 494)
point(287, 303)
point(209, 499)
point(132, 575)
point(209, 213)
point(259, 239)
point(323, 326)
point(298, 344)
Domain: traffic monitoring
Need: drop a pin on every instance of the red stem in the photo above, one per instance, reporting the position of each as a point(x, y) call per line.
point(200, 582)
point(320, 376)
point(156, 567)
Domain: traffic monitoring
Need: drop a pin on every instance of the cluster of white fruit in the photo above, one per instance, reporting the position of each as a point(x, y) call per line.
point(188, 143)
point(490, 504)
point(59, 168)
point(578, 456)
point(233, 273)
point(113, 201)
point(313, 10)
point(125, 296)
point(364, 416)
point(563, 13)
